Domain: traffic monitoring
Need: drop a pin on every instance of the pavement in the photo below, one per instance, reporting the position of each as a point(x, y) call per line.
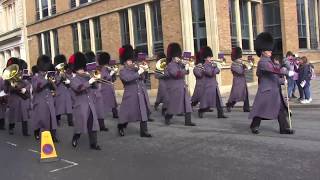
point(216, 149)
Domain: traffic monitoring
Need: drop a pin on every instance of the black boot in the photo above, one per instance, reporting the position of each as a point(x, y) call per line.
point(200, 113)
point(144, 130)
point(75, 139)
point(93, 140)
point(163, 111)
point(54, 136)
point(2, 124)
point(228, 105)
point(58, 117)
point(287, 131)
point(37, 134)
point(25, 128)
point(187, 120)
point(11, 128)
point(150, 120)
point(167, 119)
point(102, 125)
point(115, 113)
point(156, 105)
point(255, 124)
point(121, 129)
point(221, 114)
point(70, 120)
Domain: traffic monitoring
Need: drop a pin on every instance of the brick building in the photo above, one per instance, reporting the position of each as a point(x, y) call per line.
point(67, 26)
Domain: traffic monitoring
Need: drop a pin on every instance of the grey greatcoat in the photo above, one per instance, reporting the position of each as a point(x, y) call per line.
point(268, 100)
point(162, 94)
point(108, 92)
point(19, 108)
point(83, 106)
point(179, 100)
point(239, 90)
point(3, 100)
point(43, 115)
point(135, 105)
point(62, 100)
point(198, 90)
point(211, 91)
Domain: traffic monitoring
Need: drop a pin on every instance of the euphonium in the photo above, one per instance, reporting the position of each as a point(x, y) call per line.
point(161, 65)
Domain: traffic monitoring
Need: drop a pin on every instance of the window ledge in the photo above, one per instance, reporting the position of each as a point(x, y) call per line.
point(248, 52)
point(309, 50)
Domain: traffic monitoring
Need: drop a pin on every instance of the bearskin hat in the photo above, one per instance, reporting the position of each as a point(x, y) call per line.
point(23, 64)
point(125, 53)
point(103, 58)
point(173, 50)
point(78, 61)
point(205, 52)
point(60, 58)
point(236, 53)
point(44, 63)
point(13, 60)
point(34, 69)
point(91, 57)
point(264, 42)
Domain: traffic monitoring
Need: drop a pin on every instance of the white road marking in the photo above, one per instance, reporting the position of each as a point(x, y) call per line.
point(12, 144)
point(34, 151)
point(66, 167)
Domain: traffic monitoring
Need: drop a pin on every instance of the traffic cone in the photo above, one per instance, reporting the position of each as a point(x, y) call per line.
point(48, 151)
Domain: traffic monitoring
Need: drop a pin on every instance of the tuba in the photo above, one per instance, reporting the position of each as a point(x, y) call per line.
point(13, 75)
point(161, 65)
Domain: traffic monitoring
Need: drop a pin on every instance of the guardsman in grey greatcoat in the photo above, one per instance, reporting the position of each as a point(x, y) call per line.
point(269, 102)
point(239, 90)
point(84, 112)
point(135, 104)
point(179, 101)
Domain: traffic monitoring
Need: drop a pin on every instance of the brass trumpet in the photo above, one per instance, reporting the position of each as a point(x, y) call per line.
point(144, 65)
point(97, 75)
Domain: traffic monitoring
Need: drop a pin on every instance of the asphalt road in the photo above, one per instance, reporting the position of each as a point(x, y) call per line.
point(215, 149)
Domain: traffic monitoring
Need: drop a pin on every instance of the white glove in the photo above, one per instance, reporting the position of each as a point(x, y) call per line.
point(285, 81)
point(186, 67)
point(112, 73)
point(67, 81)
point(46, 77)
point(23, 90)
point(140, 71)
point(92, 80)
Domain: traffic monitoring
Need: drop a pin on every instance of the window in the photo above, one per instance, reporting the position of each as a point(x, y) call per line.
point(56, 42)
point(199, 24)
point(157, 27)
point(44, 10)
point(140, 30)
point(97, 34)
point(83, 1)
point(47, 44)
point(233, 23)
point(124, 27)
point(313, 24)
point(244, 25)
point(254, 7)
point(272, 22)
point(73, 3)
point(85, 35)
point(75, 37)
point(40, 43)
point(44, 7)
point(53, 7)
point(302, 29)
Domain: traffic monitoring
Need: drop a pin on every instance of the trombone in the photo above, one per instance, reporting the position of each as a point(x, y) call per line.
point(96, 74)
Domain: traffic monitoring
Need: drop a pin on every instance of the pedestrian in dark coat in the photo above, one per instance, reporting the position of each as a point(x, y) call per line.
point(135, 104)
point(304, 80)
point(84, 111)
point(97, 96)
point(211, 94)
point(162, 94)
point(239, 90)
point(179, 101)
point(269, 102)
point(3, 104)
point(62, 99)
point(18, 98)
point(107, 89)
point(43, 115)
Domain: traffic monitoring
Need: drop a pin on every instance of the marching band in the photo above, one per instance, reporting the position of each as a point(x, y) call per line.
point(82, 89)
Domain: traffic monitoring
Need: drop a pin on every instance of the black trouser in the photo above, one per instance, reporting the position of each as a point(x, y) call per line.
point(2, 124)
point(93, 139)
point(218, 106)
point(69, 119)
point(24, 127)
point(282, 119)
